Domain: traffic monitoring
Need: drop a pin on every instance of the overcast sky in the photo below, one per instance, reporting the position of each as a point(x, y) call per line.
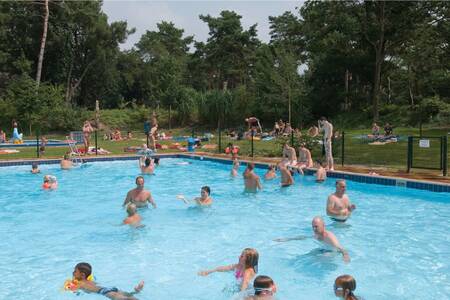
point(144, 15)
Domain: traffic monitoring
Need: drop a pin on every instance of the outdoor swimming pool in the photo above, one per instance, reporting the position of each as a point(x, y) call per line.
point(398, 238)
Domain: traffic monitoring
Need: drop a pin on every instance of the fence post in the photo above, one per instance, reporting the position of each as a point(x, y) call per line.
point(220, 140)
point(37, 143)
point(252, 141)
point(96, 146)
point(342, 148)
point(292, 138)
point(409, 154)
point(445, 155)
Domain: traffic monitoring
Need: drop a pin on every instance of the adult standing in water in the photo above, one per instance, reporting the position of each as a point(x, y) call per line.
point(87, 130)
point(339, 207)
point(327, 129)
point(139, 195)
point(251, 180)
point(327, 239)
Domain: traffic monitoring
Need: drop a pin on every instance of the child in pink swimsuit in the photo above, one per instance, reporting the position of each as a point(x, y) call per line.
point(244, 271)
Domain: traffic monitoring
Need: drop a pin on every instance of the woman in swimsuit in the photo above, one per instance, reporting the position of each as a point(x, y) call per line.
point(244, 271)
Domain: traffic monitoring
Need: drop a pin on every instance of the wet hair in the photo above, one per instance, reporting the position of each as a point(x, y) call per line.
point(156, 160)
point(137, 178)
point(251, 259)
point(147, 162)
point(250, 166)
point(207, 189)
point(131, 209)
point(339, 181)
point(34, 165)
point(323, 118)
point(348, 285)
point(262, 283)
point(84, 268)
point(271, 167)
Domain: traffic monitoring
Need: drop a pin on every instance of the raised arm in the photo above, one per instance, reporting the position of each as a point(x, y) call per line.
point(218, 269)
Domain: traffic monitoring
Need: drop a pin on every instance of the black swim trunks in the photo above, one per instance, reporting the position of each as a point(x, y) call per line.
point(104, 290)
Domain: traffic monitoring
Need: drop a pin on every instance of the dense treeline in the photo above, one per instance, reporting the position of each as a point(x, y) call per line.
point(352, 60)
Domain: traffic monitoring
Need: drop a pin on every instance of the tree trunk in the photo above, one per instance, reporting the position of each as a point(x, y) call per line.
point(69, 84)
point(376, 84)
point(43, 40)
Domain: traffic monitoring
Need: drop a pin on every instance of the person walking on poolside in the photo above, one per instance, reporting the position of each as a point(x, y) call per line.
point(344, 286)
point(235, 169)
point(66, 163)
point(289, 155)
point(327, 129)
point(327, 239)
point(146, 165)
point(133, 219)
point(87, 130)
point(139, 196)
point(286, 176)
point(339, 207)
point(305, 159)
point(251, 180)
point(81, 275)
point(321, 173)
point(245, 270)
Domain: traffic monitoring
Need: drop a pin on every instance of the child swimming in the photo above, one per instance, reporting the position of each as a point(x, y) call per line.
point(244, 271)
point(264, 288)
point(133, 219)
point(50, 182)
point(344, 286)
point(81, 274)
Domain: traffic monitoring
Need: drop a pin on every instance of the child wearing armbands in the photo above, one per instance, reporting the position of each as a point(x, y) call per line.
point(82, 280)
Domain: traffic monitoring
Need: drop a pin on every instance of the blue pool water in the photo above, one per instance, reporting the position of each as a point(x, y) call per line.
point(398, 238)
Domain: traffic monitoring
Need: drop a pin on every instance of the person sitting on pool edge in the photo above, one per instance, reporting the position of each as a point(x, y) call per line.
point(139, 195)
point(81, 273)
point(339, 207)
point(344, 286)
point(35, 168)
point(326, 238)
point(251, 180)
point(66, 163)
point(146, 165)
point(204, 199)
point(321, 173)
point(245, 270)
point(264, 288)
point(133, 219)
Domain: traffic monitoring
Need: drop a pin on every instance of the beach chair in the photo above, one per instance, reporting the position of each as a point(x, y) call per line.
point(74, 152)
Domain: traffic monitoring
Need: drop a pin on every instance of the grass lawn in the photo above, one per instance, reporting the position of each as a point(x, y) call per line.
point(357, 150)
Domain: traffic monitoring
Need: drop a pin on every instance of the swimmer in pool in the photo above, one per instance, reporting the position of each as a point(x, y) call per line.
point(133, 219)
point(344, 286)
point(235, 169)
point(35, 168)
point(321, 173)
point(139, 195)
point(146, 165)
point(326, 238)
point(251, 180)
point(83, 270)
point(271, 173)
point(66, 163)
point(204, 199)
point(339, 207)
point(244, 271)
point(286, 176)
point(50, 182)
point(264, 288)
